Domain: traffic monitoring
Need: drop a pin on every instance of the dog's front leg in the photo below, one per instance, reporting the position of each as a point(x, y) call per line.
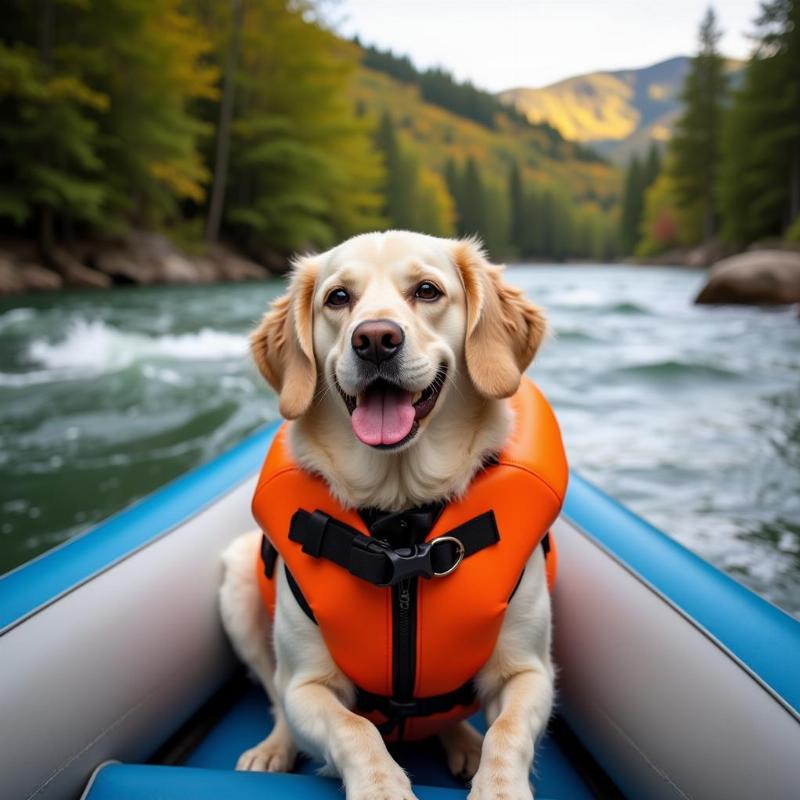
point(346, 741)
point(317, 699)
point(517, 685)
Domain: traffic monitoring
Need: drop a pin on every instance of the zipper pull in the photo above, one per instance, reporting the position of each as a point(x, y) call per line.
point(404, 596)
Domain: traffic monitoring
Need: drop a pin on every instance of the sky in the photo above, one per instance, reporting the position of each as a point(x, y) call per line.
point(501, 44)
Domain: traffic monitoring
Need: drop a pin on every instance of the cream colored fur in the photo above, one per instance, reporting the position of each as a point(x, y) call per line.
point(486, 333)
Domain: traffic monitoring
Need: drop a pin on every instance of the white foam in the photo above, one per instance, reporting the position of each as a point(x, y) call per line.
point(94, 346)
point(15, 316)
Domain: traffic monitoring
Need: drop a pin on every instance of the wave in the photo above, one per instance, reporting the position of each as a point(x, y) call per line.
point(15, 316)
point(574, 335)
point(595, 302)
point(670, 369)
point(94, 347)
point(627, 308)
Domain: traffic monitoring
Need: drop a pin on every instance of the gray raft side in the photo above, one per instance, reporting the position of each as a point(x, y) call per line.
point(665, 709)
point(114, 667)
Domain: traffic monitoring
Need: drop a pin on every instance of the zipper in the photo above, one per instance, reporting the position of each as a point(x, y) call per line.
point(404, 641)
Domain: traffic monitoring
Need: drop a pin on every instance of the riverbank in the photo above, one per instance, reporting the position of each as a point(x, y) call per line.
point(140, 258)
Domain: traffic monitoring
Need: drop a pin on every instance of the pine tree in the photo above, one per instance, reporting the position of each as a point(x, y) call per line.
point(632, 206)
point(454, 181)
point(533, 244)
point(303, 172)
point(695, 148)
point(496, 225)
point(759, 185)
point(472, 211)
point(433, 209)
point(652, 166)
point(516, 197)
point(223, 134)
point(401, 176)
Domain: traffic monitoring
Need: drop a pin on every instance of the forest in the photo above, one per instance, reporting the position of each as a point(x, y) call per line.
point(731, 171)
point(252, 123)
point(238, 121)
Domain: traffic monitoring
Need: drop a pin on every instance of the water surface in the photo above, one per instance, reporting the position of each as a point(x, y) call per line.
point(690, 415)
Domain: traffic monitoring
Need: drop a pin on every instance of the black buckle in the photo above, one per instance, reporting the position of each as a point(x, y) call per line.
point(417, 561)
point(409, 562)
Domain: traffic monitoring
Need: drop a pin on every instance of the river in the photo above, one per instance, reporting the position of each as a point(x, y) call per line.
point(690, 415)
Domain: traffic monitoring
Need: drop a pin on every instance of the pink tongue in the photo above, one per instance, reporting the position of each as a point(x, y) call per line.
point(384, 416)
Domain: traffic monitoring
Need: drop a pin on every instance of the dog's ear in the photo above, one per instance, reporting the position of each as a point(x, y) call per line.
point(504, 330)
point(283, 344)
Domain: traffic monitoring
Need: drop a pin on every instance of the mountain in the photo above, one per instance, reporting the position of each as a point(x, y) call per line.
point(546, 159)
point(616, 113)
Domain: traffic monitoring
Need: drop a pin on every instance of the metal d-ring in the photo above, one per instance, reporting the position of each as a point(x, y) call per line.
point(459, 558)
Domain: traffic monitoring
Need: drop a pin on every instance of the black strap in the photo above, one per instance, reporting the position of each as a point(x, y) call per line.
point(298, 595)
point(373, 560)
point(396, 711)
point(269, 556)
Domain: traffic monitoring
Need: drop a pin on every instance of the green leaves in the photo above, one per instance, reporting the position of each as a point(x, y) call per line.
point(759, 184)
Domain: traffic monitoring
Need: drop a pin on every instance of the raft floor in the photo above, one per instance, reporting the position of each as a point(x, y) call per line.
point(199, 763)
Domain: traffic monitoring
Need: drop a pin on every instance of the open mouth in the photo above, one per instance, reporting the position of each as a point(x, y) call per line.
point(385, 415)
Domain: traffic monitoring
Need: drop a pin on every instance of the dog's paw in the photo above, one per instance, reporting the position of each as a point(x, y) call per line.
point(462, 746)
point(274, 754)
point(499, 786)
point(390, 783)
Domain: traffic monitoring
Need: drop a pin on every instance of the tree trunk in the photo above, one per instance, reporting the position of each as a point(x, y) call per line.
point(217, 201)
point(46, 216)
point(794, 188)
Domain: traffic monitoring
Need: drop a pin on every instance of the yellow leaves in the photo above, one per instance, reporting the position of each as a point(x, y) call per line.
point(435, 206)
point(185, 44)
point(184, 179)
point(68, 87)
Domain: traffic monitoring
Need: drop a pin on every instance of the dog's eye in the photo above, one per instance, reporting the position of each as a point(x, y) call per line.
point(337, 298)
point(427, 291)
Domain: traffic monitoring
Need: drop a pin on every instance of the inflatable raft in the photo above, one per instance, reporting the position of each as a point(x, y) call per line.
point(116, 680)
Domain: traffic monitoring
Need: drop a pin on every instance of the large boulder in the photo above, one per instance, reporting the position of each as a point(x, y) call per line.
point(75, 272)
point(760, 277)
point(233, 267)
point(38, 278)
point(147, 258)
point(11, 280)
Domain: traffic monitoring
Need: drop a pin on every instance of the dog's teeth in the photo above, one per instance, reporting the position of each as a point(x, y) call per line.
point(416, 397)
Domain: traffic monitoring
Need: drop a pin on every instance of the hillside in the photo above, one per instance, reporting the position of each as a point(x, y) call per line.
point(545, 158)
point(616, 113)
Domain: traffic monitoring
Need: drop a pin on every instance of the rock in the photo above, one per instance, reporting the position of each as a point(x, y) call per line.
point(38, 278)
point(756, 278)
point(176, 268)
point(75, 273)
point(11, 280)
point(123, 267)
point(235, 268)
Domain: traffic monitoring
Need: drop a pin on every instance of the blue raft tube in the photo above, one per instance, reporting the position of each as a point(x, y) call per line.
point(116, 680)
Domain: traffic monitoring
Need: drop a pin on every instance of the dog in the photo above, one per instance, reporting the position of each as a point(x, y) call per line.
point(434, 325)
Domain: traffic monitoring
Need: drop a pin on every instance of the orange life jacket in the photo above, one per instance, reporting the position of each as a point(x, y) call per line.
point(412, 624)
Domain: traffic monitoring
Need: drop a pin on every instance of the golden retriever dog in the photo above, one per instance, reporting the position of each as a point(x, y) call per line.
point(393, 355)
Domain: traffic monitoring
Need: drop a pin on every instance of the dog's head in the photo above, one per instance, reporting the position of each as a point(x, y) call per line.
point(392, 328)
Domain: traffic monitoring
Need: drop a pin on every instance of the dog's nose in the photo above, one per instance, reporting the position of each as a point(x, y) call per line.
point(377, 340)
